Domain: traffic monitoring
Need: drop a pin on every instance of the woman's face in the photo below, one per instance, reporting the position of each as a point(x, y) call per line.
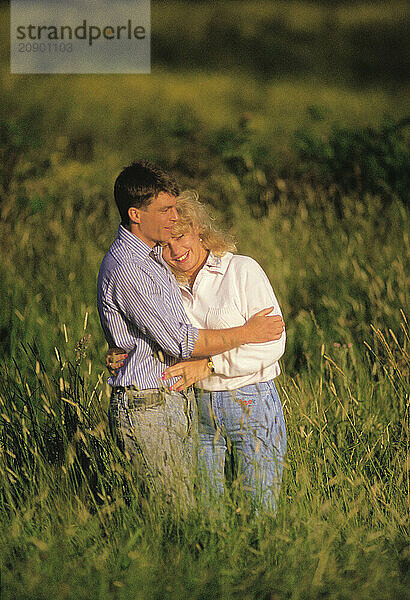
point(185, 252)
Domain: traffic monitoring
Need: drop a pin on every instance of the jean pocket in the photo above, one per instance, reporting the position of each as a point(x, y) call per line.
point(180, 413)
point(254, 394)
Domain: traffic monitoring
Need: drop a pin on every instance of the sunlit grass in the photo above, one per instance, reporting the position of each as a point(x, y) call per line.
point(216, 99)
point(73, 515)
point(246, 14)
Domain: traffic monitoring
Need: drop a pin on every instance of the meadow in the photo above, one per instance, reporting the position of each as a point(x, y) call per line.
point(74, 520)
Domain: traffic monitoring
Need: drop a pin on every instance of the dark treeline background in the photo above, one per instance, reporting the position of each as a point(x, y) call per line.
point(350, 42)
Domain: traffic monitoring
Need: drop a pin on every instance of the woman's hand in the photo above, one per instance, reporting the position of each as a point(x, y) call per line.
point(115, 360)
point(189, 372)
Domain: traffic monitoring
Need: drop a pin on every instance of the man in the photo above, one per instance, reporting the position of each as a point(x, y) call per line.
point(141, 310)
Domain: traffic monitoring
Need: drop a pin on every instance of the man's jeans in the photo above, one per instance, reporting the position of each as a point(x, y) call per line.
point(249, 423)
point(156, 429)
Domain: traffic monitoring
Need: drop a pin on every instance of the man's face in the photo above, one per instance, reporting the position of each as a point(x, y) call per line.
point(154, 223)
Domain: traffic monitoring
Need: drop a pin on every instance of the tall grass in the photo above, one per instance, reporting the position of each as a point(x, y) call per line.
point(76, 525)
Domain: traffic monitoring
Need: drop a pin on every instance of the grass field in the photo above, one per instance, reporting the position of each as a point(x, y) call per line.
point(73, 520)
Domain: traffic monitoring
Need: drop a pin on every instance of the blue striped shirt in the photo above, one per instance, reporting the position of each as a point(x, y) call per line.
point(141, 310)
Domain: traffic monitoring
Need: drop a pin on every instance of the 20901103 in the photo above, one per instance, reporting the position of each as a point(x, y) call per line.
point(45, 47)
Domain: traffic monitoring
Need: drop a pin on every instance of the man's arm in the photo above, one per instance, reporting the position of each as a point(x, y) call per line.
point(137, 309)
point(258, 329)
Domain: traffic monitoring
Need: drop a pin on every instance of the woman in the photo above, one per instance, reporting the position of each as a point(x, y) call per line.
point(239, 407)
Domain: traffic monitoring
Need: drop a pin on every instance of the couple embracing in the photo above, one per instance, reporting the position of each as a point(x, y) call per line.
point(201, 334)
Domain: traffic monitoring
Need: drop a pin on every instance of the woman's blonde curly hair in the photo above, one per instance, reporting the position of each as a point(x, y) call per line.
point(194, 216)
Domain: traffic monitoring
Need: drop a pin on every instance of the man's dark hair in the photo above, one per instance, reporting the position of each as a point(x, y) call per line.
point(138, 184)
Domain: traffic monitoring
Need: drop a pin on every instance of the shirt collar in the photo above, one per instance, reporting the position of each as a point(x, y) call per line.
point(136, 245)
point(214, 264)
point(157, 251)
point(217, 264)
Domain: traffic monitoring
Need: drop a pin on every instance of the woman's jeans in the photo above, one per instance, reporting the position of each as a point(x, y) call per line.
point(248, 426)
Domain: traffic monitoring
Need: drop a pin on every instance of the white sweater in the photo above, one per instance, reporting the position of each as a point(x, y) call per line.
point(227, 291)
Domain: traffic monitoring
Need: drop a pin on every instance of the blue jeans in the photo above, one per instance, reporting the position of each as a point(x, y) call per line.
point(249, 424)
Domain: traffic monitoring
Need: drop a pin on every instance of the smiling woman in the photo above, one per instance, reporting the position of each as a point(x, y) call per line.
point(239, 408)
point(186, 253)
point(194, 236)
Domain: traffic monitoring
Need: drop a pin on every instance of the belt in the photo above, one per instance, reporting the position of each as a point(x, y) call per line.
point(134, 398)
